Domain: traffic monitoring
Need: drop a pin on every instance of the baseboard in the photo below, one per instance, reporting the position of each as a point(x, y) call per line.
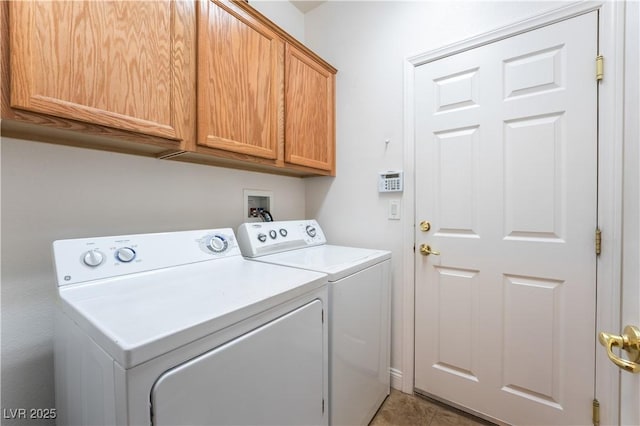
point(396, 378)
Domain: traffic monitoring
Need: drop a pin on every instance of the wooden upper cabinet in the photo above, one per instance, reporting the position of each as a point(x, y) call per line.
point(309, 111)
point(120, 64)
point(240, 82)
point(209, 81)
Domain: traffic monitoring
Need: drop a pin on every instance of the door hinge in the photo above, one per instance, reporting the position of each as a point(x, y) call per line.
point(596, 412)
point(322, 315)
point(322, 405)
point(598, 241)
point(599, 67)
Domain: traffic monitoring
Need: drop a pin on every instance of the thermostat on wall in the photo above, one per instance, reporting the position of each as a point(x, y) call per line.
point(390, 181)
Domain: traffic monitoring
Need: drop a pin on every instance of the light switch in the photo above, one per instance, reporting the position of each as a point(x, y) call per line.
point(394, 210)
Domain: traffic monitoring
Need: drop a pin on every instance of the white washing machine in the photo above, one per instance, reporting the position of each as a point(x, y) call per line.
point(359, 305)
point(178, 328)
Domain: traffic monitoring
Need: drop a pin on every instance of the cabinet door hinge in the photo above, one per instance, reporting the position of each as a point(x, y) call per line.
point(598, 241)
point(596, 412)
point(599, 67)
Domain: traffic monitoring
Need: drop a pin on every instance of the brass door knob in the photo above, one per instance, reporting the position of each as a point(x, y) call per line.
point(630, 342)
point(426, 250)
point(425, 225)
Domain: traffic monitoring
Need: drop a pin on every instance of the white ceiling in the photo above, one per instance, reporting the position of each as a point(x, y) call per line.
point(306, 5)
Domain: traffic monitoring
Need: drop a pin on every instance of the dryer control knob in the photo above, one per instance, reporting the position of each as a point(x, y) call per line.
point(125, 254)
point(262, 237)
point(217, 244)
point(311, 230)
point(93, 258)
point(273, 234)
point(283, 232)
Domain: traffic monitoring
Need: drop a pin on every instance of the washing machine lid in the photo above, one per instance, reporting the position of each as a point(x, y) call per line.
point(336, 261)
point(141, 316)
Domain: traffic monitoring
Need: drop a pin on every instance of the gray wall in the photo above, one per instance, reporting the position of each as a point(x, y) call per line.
point(53, 192)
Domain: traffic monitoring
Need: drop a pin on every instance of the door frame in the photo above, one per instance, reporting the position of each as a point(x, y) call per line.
point(630, 310)
point(610, 172)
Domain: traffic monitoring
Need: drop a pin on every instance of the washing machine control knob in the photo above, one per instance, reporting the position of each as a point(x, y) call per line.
point(125, 254)
point(93, 258)
point(217, 244)
point(283, 232)
point(273, 234)
point(262, 237)
point(311, 231)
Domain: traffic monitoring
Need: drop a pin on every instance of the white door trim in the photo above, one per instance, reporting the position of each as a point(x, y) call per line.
point(610, 133)
point(611, 137)
point(630, 310)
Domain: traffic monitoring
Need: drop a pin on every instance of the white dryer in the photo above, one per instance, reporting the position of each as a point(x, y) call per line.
point(359, 309)
point(178, 328)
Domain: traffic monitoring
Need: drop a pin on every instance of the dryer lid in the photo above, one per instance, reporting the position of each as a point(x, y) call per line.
point(141, 316)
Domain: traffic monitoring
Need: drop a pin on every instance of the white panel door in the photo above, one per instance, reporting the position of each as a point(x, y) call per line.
point(506, 172)
point(273, 375)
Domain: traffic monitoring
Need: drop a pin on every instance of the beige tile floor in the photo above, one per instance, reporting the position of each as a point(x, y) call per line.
point(409, 410)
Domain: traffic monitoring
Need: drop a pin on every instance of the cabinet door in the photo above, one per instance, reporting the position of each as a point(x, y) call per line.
point(124, 65)
point(310, 112)
point(240, 82)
